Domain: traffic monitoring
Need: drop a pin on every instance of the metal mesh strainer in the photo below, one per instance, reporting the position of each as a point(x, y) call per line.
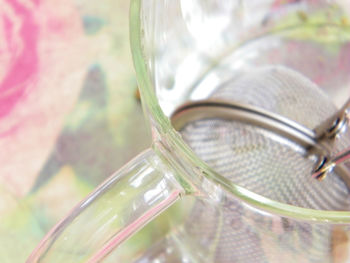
point(262, 159)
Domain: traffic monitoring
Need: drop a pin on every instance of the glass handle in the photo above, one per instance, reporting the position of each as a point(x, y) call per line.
point(118, 208)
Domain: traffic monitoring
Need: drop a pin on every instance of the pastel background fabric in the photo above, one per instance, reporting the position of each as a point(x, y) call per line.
point(68, 112)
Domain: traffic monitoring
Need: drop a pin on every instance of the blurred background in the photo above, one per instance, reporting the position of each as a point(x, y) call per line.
point(69, 112)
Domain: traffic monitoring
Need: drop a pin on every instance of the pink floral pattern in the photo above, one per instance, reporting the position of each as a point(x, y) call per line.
point(63, 66)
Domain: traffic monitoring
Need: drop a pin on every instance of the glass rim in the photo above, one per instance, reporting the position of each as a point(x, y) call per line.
point(163, 126)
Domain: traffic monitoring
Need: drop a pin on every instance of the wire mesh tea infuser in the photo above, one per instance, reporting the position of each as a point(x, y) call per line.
point(272, 131)
point(230, 103)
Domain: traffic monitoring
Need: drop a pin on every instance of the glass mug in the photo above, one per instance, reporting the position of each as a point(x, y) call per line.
point(171, 204)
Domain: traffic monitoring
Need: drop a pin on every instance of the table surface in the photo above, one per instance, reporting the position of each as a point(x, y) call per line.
point(68, 111)
point(69, 116)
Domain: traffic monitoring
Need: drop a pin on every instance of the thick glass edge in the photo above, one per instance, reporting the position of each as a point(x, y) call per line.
point(149, 100)
point(164, 127)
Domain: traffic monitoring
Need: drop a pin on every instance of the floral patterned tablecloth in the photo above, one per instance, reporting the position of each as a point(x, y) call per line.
point(69, 116)
point(68, 110)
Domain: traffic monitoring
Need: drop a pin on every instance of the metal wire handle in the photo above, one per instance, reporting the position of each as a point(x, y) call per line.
point(328, 166)
point(318, 139)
